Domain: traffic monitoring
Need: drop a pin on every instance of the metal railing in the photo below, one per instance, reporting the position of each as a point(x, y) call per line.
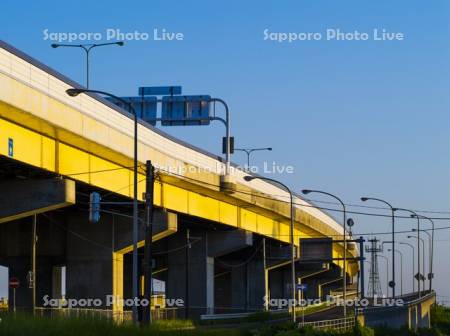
point(117, 316)
point(342, 324)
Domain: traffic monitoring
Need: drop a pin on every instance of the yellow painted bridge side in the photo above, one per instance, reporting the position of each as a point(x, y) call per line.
point(40, 151)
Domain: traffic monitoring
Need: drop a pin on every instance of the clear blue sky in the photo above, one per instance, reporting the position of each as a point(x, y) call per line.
point(353, 117)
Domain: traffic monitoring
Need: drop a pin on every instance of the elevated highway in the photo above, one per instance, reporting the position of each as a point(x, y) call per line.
point(89, 140)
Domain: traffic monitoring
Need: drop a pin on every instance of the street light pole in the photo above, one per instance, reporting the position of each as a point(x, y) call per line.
point(418, 244)
point(87, 48)
point(75, 92)
point(413, 264)
point(306, 192)
point(429, 252)
point(226, 122)
point(432, 249)
point(401, 270)
point(387, 272)
point(249, 151)
point(365, 199)
point(423, 260)
point(291, 234)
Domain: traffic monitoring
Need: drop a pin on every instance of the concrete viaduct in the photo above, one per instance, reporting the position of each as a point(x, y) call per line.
point(56, 149)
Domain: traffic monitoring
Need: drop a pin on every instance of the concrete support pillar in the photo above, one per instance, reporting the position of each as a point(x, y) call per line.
point(209, 285)
point(239, 293)
point(279, 283)
point(89, 256)
point(248, 283)
point(192, 279)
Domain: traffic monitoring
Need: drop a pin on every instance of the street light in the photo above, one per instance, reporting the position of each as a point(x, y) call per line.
point(249, 151)
point(423, 261)
point(432, 249)
point(401, 269)
point(75, 92)
point(306, 192)
point(365, 199)
point(429, 253)
point(387, 272)
point(87, 48)
point(413, 264)
point(249, 178)
point(418, 244)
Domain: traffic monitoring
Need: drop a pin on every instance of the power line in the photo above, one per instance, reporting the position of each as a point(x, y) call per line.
point(275, 198)
point(99, 171)
point(110, 248)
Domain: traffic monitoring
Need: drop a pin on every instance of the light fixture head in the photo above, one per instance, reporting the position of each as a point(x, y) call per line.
point(74, 92)
point(364, 199)
point(350, 222)
point(248, 178)
point(306, 191)
point(54, 45)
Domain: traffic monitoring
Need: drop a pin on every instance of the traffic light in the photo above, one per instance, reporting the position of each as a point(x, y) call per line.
point(94, 207)
point(224, 145)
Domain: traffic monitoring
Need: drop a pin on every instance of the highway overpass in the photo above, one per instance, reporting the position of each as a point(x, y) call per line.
point(56, 149)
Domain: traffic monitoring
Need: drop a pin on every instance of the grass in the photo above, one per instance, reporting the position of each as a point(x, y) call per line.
point(22, 324)
point(25, 325)
point(440, 319)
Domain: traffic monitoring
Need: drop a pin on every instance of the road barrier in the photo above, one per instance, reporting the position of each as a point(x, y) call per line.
point(342, 324)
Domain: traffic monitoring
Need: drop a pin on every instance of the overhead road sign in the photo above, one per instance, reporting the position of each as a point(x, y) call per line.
point(159, 90)
point(145, 107)
point(185, 110)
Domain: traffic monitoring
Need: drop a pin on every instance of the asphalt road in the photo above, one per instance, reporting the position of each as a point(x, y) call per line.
point(331, 313)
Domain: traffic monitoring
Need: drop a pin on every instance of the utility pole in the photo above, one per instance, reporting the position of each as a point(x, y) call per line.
point(266, 280)
point(32, 279)
point(361, 263)
point(188, 246)
point(148, 262)
point(374, 277)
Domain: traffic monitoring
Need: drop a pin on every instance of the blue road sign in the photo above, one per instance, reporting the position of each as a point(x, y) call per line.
point(185, 110)
point(302, 287)
point(94, 207)
point(159, 90)
point(145, 107)
point(11, 147)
